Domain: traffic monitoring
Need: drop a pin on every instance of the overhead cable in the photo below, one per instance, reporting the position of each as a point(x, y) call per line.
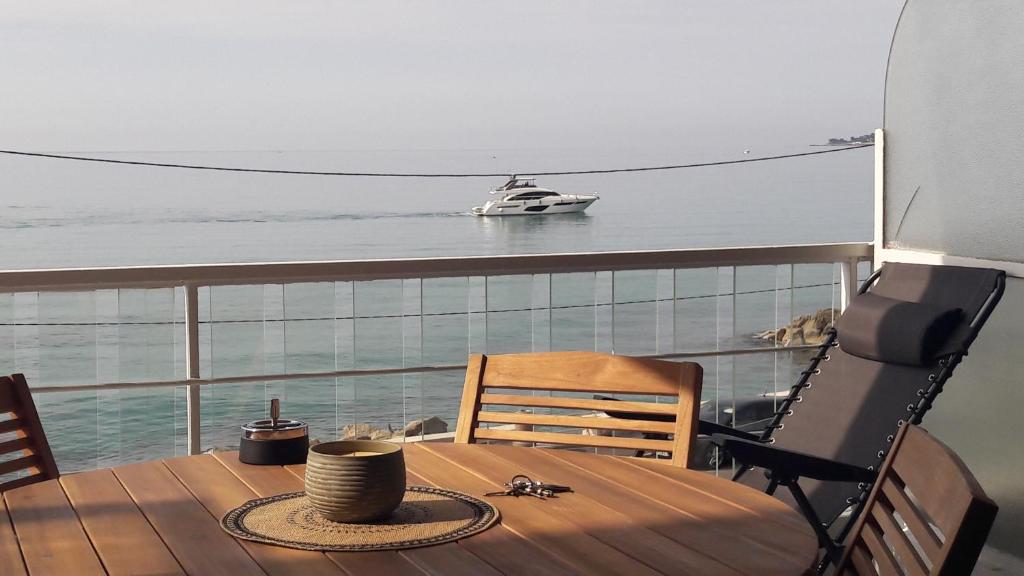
point(428, 174)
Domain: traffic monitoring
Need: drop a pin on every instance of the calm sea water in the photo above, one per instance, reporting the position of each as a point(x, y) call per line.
point(66, 214)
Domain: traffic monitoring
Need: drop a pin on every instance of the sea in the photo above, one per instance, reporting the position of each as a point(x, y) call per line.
point(61, 214)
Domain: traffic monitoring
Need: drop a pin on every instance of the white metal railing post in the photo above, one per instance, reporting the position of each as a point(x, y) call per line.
point(847, 282)
point(192, 365)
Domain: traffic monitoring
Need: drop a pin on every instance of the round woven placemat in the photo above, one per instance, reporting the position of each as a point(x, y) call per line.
point(426, 516)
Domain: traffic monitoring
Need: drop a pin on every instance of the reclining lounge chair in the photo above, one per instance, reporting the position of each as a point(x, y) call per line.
point(882, 367)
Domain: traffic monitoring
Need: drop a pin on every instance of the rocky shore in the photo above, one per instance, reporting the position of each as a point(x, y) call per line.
point(803, 330)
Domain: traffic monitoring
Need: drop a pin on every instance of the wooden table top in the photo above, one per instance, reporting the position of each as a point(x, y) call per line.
point(627, 516)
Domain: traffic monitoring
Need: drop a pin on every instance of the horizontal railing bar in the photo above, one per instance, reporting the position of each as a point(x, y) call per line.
point(257, 378)
point(425, 314)
point(76, 279)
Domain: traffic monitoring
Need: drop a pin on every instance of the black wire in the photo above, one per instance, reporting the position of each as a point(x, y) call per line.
point(423, 175)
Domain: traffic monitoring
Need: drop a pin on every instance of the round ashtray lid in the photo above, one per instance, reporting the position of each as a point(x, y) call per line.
point(271, 430)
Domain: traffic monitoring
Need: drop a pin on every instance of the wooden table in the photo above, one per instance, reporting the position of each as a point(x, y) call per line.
point(627, 516)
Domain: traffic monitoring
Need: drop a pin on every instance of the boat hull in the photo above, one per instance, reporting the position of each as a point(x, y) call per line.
point(561, 205)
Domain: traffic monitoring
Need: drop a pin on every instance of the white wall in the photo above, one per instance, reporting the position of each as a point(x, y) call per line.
point(954, 134)
point(954, 120)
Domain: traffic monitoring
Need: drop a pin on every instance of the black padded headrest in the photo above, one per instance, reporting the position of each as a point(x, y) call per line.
point(895, 331)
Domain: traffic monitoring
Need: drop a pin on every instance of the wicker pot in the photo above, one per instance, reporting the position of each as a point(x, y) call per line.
point(355, 480)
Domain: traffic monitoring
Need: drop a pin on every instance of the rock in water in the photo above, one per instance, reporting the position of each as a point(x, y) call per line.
point(364, 431)
point(432, 425)
point(806, 329)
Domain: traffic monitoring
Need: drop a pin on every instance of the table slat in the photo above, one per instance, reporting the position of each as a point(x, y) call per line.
point(771, 522)
point(606, 522)
point(723, 489)
point(220, 491)
point(10, 553)
point(52, 539)
point(192, 534)
point(528, 518)
point(120, 534)
point(714, 544)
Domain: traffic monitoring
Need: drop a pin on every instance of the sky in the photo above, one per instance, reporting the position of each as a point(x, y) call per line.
point(124, 75)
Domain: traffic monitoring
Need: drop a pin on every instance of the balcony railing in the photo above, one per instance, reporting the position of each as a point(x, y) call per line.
point(144, 362)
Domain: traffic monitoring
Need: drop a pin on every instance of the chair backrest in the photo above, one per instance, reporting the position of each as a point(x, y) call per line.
point(925, 487)
point(850, 407)
point(490, 379)
point(23, 445)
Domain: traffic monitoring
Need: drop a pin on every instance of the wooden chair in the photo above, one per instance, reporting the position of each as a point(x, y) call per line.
point(581, 372)
point(946, 513)
point(21, 436)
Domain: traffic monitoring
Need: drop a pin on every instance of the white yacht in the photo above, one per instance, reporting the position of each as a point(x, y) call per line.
point(522, 196)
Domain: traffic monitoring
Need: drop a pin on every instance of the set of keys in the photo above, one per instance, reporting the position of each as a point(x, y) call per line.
point(522, 485)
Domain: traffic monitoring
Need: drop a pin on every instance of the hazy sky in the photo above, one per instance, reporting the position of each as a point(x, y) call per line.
point(294, 75)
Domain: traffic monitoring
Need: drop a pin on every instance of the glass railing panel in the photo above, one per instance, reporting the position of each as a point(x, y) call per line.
point(635, 312)
point(67, 355)
point(344, 326)
point(237, 316)
point(807, 310)
point(376, 408)
point(725, 335)
point(72, 423)
point(238, 322)
point(509, 314)
point(26, 336)
point(445, 325)
point(695, 313)
point(477, 336)
point(146, 335)
point(604, 311)
point(664, 312)
point(7, 327)
point(572, 311)
point(309, 346)
point(147, 419)
point(67, 338)
point(378, 325)
point(540, 315)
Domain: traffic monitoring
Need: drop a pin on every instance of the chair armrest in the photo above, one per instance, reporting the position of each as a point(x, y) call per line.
point(709, 428)
point(786, 464)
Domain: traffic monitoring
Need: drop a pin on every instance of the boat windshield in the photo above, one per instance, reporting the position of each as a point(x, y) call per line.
point(533, 195)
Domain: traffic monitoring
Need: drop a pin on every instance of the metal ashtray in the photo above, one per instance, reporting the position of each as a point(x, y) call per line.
point(275, 440)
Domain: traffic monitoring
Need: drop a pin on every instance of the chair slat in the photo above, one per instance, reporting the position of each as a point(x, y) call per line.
point(577, 422)
point(19, 464)
point(923, 534)
point(880, 552)
point(937, 476)
point(574, 439)
point(861, 559)
point(19, 482)
point(577, 403)
point(11, 425)
point(581, 372)
point(546, 372)
point(24, 443)
point(910, 559)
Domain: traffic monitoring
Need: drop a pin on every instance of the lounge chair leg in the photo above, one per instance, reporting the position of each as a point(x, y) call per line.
point(832, 550)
